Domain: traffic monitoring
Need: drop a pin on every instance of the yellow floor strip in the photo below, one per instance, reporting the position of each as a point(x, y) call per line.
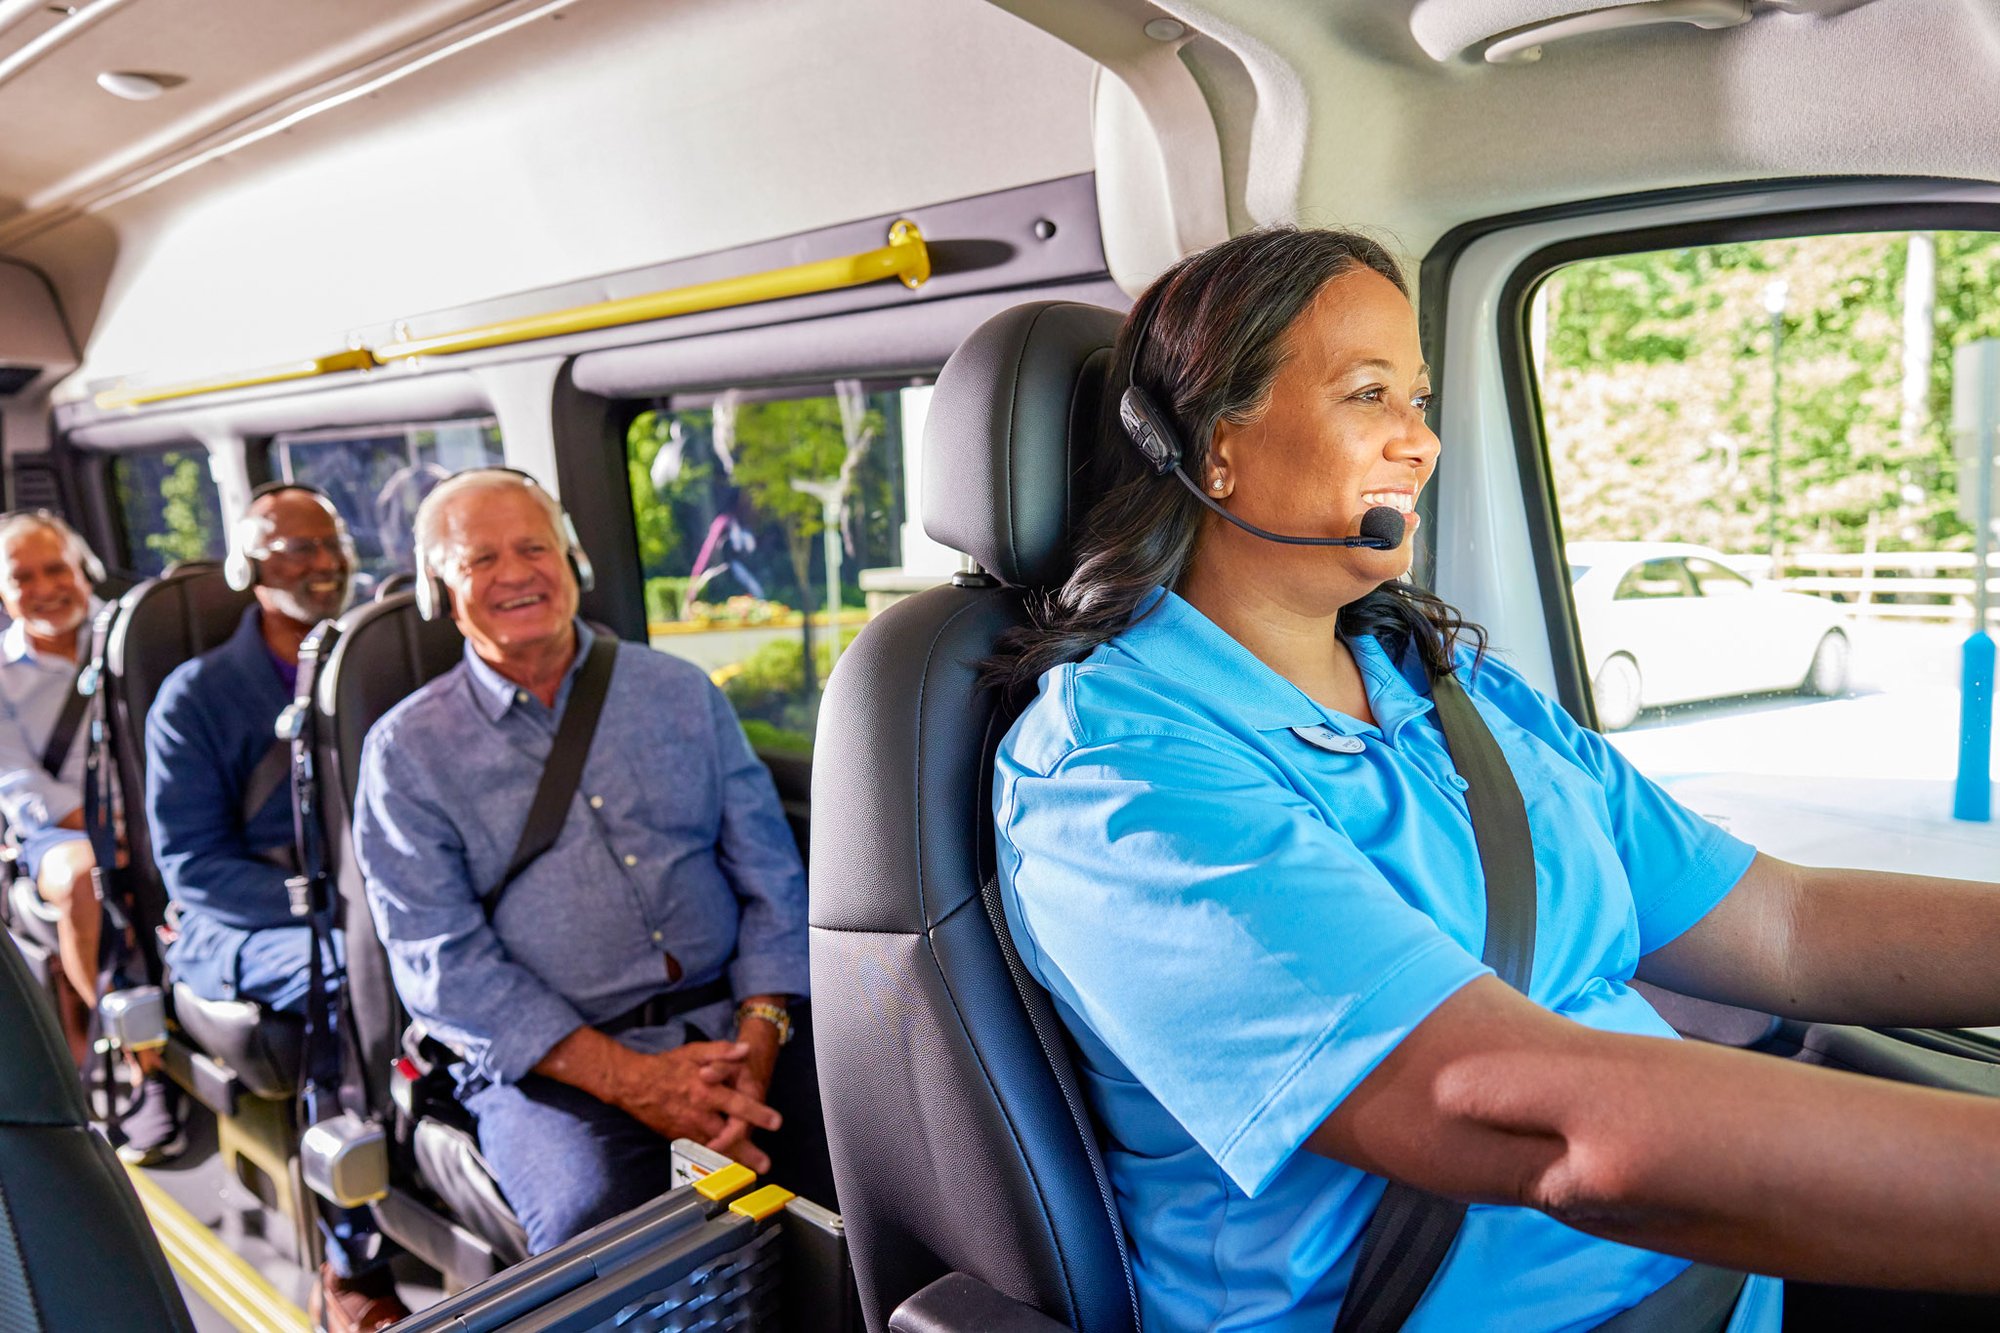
point(218, 1275)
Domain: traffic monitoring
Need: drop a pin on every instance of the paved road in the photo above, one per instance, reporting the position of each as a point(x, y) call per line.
point(1861, 780)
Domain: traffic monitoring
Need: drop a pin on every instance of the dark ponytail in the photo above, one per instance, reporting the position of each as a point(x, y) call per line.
point(1214, 326)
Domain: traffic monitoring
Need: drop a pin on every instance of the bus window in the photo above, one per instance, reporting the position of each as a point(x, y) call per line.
point(168, 507)
point(377, 476)
point(1753, 462)
point(744, 500)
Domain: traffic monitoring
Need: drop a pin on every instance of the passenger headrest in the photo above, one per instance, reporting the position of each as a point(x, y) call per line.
point(1011, 427)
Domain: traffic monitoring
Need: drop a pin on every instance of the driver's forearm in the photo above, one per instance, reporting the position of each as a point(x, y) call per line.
point(1738, 1159)
point(1770, 1166)
point(1871, 947)
point(1899, 950)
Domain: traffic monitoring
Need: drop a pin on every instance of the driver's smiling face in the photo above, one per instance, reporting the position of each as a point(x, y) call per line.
point(511, 586)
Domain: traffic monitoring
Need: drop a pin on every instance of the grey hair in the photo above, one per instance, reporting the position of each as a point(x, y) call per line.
point(429, 523)
point(75, 549)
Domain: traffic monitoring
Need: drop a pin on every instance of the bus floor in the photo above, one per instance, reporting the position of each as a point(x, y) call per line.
point(230, 1252)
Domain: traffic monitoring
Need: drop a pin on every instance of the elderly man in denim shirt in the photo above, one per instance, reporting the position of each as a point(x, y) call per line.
point(670, 911)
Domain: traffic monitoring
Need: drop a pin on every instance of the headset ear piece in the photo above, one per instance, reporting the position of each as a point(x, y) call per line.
point(579, 559)
point(1149, 430)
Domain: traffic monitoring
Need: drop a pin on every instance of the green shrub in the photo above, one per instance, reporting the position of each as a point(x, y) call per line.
point(767, 739)
point(664, 599)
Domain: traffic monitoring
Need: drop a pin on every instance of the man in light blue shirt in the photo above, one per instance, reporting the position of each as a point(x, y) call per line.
point(45, 571)
point(47, 596)
point(1287, 893)
point(587, 1002)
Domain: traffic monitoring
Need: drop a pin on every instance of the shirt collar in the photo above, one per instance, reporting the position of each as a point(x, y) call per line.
point(14, 642)
point(495, 694)
point(1170, 636)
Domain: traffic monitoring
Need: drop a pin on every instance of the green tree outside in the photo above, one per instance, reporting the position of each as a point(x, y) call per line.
point(186, 534)
point(1656, 390)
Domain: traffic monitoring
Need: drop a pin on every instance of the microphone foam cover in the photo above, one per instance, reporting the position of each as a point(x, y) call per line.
point(1385, 525)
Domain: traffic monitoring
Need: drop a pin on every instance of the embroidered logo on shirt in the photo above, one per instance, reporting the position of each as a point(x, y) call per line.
point(1326, 738)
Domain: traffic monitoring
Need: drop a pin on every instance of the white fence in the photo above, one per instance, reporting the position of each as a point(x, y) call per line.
point(1893, 585)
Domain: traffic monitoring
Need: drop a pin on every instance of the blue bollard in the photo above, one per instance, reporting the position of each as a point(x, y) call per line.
point(1974, 798)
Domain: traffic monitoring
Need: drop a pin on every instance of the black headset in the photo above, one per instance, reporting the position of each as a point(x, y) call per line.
point(240, 566)
point(1151, 430)
point(74, 545)
point(434, 600)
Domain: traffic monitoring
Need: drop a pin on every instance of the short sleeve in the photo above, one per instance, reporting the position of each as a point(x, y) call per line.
point(1679, 864)
point(1238, 954)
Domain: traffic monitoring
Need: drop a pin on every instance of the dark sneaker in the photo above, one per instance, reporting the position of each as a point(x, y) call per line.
point(151, 1133)
point(354, 1305)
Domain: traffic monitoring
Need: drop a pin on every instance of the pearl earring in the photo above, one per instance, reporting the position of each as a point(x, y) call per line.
point(1215, 485)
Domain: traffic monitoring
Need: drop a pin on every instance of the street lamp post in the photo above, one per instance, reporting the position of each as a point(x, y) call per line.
point(1775, 294)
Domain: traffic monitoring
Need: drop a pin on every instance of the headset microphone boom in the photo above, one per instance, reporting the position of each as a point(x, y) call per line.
point(1153, 435)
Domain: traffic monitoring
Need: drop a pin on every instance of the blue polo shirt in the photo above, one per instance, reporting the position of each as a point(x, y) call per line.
point(1241, 901)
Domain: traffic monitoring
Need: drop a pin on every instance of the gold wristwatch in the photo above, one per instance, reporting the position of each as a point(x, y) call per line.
point(775, 1014)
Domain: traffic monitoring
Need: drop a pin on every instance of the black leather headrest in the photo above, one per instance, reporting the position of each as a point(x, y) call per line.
point(385, 651)
point(1009, 432)
point(164, 622)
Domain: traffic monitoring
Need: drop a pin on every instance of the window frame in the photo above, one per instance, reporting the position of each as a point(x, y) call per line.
point(1707, 223)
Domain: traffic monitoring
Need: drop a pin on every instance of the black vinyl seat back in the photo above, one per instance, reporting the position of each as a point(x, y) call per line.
point(960, 1136)
point(381, 652)
point(159, 625)
point(76, 1250)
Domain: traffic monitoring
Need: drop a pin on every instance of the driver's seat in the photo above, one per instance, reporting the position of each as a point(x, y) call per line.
point(960, 1138)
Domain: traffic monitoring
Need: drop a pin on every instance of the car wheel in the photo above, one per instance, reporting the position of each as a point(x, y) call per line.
point(1827, 676)
point(1616, 689)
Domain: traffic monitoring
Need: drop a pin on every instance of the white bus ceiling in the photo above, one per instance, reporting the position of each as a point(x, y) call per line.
point(605, 135)
point(598, 135)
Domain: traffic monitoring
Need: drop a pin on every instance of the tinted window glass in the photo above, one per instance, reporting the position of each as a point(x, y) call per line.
point(169, 506)
point(1717, 580)
point(377, 477)
point(1655, 578)
point(743, 502)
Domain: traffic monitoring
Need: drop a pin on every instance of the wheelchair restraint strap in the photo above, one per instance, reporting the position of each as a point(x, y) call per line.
point(1412, 1230)
point(563, 769)
point(68, 723)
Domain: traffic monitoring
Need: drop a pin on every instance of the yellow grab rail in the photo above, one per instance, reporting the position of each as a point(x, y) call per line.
point(359, 358)
point(905, 257)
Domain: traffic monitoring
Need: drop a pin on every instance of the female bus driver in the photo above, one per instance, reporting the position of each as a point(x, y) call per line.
point(1235, 849)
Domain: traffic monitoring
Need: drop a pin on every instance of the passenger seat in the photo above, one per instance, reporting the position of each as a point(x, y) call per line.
point(374, 657)
point(76, 1250)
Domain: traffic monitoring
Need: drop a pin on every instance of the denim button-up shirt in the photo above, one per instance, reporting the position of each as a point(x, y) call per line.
point(674, 844)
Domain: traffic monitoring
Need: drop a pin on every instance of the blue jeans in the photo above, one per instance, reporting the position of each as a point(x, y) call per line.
point(565, 1160)
point(272, 969)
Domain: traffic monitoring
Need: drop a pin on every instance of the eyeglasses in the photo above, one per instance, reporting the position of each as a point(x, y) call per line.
point(305, 548)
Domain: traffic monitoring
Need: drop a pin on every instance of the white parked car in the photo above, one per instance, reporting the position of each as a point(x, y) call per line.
point(1667, 622)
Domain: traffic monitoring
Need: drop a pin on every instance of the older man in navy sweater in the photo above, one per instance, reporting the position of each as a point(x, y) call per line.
point(211, 742)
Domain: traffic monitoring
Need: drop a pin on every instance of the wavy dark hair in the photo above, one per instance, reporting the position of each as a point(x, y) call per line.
point(1214, 329)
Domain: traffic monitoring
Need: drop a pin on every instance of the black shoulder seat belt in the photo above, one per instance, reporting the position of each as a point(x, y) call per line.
point(273, 771)
point(563, 769)
point(1412, 1230)
point(68, 723)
